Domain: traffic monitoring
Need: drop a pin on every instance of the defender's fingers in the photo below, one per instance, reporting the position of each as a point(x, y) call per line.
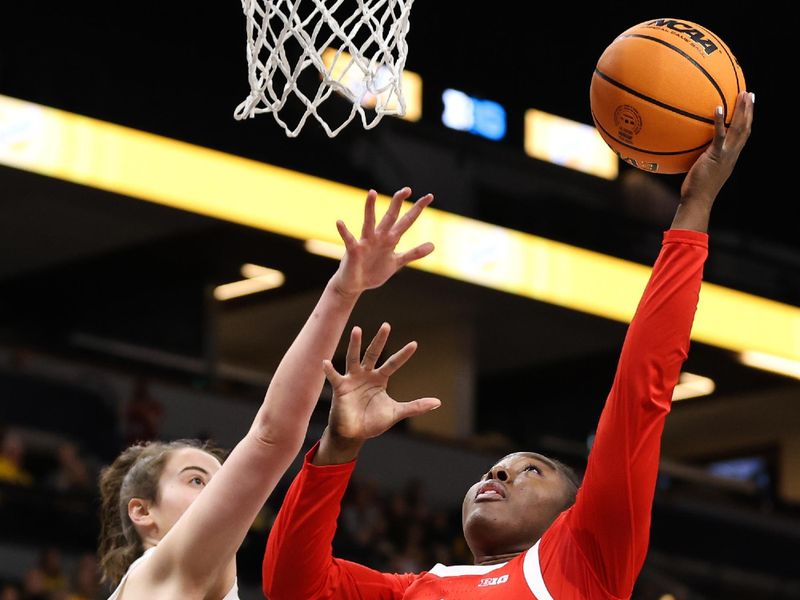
point(420, 251)
point(368, 228)
point(394, 210)
point(347, 237)
point(407, 220)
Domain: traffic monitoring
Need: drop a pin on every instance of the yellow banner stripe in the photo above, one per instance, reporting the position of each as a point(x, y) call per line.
point(172, 173)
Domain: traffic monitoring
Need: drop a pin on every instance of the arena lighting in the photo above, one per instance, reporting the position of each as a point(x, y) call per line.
point(182, 176)
point(479, 117)
point(258, 279)
point(692, 386)
point(410, 81)
point(768, 362)
point(327, 249)
point(569, 144)
point(249, 270)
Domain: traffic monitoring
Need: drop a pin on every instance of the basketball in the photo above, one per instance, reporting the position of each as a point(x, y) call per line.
point(655, 89)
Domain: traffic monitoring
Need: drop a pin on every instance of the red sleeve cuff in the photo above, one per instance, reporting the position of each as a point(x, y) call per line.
point(686, 236)
point(336, 470)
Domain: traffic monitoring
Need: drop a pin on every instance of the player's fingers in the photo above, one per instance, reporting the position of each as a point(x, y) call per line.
point(719, 129)
point(741, 122)
point(354, 350)
point(397, 360)
point(376, 346)
point(404, 410)
point(331, 374)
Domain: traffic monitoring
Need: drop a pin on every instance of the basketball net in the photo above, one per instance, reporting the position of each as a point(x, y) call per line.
point(366, 53)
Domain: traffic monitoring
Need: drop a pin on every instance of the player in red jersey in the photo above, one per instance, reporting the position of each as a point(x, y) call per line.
point(532, 532)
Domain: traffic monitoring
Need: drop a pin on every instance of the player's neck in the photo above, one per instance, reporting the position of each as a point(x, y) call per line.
point(494, 559)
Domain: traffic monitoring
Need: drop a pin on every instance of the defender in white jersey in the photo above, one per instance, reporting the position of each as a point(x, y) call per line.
point(233, 594)
point(173, 514)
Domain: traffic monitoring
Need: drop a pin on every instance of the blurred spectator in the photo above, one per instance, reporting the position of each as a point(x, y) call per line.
point(397, 519)
point(12, 453)
point(72, 473)
point(52, 570)
point(414, 492)
point(33, 587)
point(10, 592)
point(19, 359)
point(143, 415)
point(363, 524)
point(264, 520)
point(412, 558)
point(400, 534)
point(86, 585)
point(440, 537)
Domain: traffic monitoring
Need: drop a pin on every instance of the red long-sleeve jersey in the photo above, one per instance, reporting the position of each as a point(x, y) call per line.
point(593, 550)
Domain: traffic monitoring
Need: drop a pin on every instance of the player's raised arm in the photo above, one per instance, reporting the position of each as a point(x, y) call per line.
point(153, 499)
point(611, 516)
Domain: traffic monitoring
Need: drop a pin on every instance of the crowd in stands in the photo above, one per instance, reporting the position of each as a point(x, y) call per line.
point(48, 505)
point(394, 531)
point(49, 580)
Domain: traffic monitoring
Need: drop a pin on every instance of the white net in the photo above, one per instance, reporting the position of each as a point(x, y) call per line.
point(356, 48)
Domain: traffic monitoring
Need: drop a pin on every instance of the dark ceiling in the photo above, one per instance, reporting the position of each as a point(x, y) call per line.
point(80, 260)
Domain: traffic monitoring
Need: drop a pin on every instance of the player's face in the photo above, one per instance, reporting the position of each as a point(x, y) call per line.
point(186, 473)
point(512, 505)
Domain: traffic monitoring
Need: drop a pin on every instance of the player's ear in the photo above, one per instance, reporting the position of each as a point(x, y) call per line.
point(139, 512)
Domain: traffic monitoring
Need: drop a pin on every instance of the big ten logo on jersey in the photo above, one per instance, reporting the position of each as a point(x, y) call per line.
point(493, 581)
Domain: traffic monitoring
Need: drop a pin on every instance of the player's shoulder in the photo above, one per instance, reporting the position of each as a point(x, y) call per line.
point(519, 578)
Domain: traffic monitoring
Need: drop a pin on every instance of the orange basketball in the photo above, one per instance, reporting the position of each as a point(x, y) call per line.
point(655, 89)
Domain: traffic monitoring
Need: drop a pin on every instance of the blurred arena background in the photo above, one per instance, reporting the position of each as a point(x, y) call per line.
point(111, 330)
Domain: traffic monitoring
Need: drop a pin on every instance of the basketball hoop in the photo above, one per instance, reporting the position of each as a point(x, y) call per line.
point(365, 40)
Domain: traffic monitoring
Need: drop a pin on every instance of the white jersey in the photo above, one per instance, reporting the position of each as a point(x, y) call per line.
point(233, 594)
